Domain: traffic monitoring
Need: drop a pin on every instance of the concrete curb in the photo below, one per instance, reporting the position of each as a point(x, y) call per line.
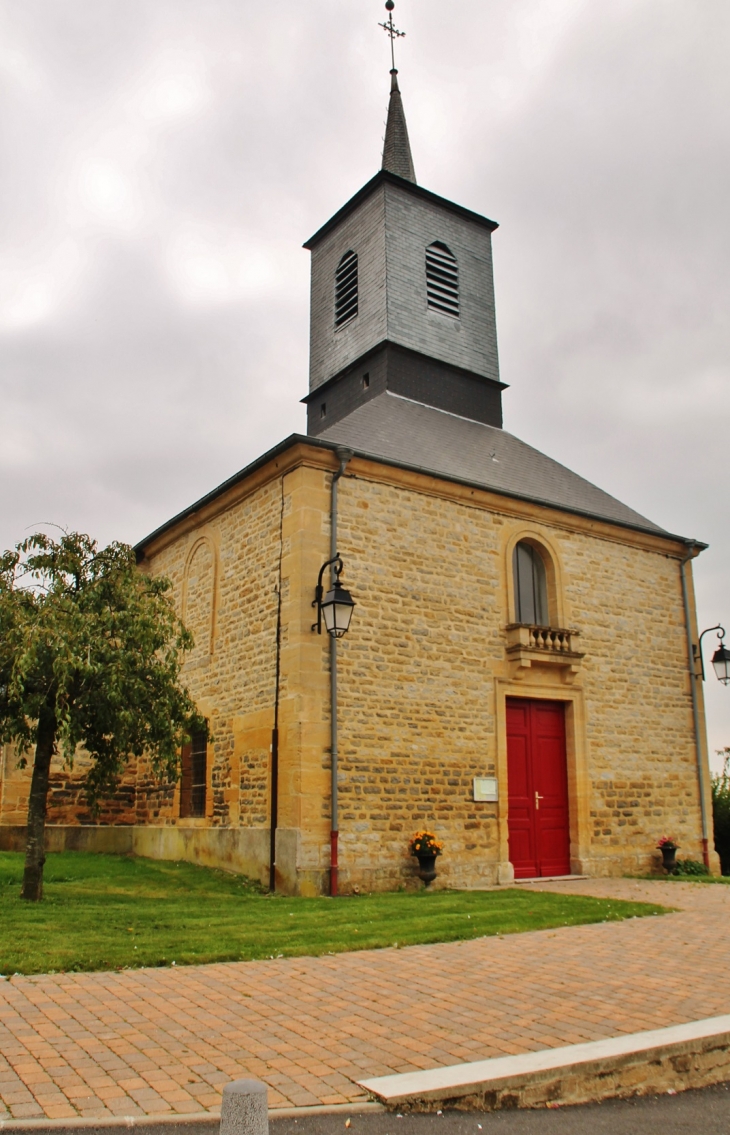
point(692, 1055)
point(197, 1123)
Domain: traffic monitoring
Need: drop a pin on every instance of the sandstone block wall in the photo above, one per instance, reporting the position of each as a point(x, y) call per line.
point(424, 675)
point(66, 801)
point(225, 579)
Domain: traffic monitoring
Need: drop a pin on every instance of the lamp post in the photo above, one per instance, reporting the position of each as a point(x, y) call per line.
point(335, 608)
point(721, 657)
point(721, 666)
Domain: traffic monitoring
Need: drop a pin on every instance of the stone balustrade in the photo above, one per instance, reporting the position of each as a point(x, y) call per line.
point(527, 645)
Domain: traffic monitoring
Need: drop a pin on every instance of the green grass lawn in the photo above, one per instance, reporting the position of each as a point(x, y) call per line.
point(107, 911)
point(724, 879)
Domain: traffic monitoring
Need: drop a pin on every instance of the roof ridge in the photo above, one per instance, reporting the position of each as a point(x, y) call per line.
point(526, 472)
point(451, 414)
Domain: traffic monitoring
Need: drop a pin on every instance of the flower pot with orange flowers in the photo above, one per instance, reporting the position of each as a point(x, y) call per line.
point(426, 848)
point(669, 848)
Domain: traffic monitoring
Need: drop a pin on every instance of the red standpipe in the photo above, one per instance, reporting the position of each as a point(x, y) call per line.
point(333, 863)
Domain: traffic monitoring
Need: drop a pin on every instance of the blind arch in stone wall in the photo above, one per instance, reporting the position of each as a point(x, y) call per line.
point(200, 597)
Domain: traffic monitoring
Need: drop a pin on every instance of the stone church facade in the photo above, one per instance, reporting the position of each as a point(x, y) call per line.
point(517, 674)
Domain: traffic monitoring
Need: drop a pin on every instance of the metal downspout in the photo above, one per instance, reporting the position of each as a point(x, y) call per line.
point(693, 679)
point(274, 802)
point(344, 456)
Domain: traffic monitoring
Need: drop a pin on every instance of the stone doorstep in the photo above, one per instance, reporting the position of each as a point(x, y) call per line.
point(196, 1123)
point(685, 1056)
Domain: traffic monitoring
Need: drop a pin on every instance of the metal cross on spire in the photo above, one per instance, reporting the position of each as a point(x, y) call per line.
point(391, 29)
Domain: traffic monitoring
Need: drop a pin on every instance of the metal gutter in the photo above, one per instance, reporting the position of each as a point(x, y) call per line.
point(344, 455)
point(274, 801)
point(693, 680)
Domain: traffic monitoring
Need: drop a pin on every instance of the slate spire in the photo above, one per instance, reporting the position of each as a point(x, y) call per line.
point(397, 149)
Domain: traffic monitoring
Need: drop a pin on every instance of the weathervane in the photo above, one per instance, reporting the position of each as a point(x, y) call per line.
point(391, 30)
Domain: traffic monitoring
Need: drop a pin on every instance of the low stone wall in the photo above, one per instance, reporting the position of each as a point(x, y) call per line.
point(244, 851)
point(111, 840)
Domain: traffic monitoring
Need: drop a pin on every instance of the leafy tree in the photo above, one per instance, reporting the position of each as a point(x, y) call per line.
point(721, 811)
point(90, 655)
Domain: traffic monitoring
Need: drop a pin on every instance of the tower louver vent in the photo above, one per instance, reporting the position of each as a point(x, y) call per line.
point(442, 279)
point(346, 289)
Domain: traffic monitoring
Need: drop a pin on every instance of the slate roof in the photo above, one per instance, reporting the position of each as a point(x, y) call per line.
point(433, 441)
point(414, 436)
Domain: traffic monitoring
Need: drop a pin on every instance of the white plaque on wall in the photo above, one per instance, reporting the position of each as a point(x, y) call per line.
point(486, 788)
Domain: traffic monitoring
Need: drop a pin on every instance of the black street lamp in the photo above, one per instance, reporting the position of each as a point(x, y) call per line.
point(337, 605)
point(720, 659)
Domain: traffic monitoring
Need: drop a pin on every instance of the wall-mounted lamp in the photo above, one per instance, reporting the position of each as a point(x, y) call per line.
point(337, 605)
point(720, 659)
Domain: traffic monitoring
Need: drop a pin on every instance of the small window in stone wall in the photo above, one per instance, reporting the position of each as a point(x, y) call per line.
point(442, 279)
point(346, 289)
point(194, 776)
point(531, 605)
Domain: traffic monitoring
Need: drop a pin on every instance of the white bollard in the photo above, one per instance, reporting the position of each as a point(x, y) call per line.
point(245, 1109)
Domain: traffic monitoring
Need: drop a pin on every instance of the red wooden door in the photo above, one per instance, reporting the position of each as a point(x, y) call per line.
point(539, 835)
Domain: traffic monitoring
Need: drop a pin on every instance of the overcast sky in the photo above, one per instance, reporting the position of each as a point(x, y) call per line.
point(164, 160)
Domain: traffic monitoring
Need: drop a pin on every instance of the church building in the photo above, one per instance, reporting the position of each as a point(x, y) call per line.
point(518, 675)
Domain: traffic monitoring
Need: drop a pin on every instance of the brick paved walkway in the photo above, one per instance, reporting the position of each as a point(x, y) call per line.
point(156, 1041)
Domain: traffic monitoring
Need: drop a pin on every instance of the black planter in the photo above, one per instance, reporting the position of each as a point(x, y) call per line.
point(427, 868)
point(669, 859)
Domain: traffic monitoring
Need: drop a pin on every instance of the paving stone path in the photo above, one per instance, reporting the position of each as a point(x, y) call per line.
point(155, 1041)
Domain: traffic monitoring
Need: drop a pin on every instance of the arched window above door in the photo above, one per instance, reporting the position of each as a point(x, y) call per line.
point(530, 580)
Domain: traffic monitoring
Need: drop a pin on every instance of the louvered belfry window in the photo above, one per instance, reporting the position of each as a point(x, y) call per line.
point(442, 279)
point(346, 289)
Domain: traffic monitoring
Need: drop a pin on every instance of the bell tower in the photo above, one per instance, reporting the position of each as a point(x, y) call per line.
point(402, 295)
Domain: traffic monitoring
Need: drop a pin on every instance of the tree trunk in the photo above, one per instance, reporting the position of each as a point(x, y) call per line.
point(35, 846)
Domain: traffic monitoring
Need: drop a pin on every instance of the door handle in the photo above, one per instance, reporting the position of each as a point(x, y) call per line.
point(538, 798)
